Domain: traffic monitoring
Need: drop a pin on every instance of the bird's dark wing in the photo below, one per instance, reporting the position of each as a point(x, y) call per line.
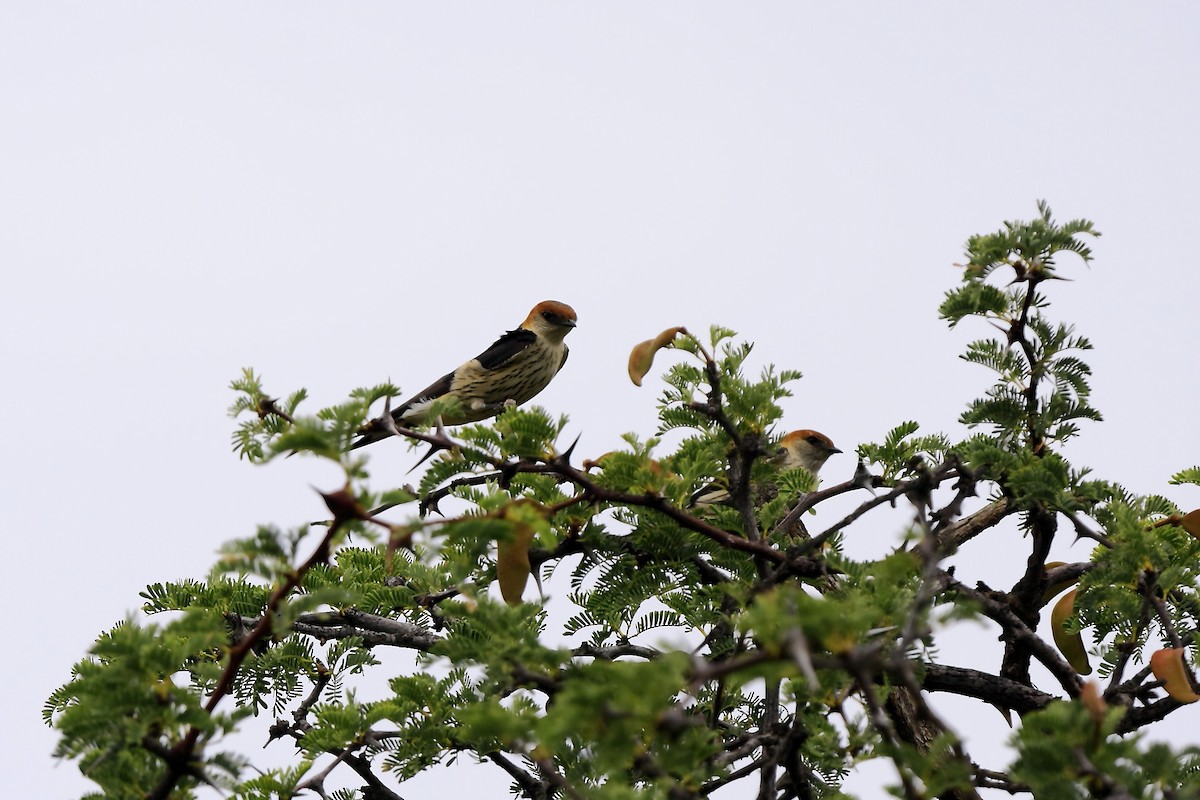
point(435, 389)
point(566, 353)
point(501, 351)
point(711, 494)
point(506, 347)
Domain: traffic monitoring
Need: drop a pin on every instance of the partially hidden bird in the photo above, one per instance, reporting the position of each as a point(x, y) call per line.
point(806, 448)
point(517, 366)
point(803, 448)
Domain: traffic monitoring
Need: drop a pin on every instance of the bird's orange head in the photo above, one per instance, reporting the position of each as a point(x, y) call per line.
point(806, 448)
point(550, 318)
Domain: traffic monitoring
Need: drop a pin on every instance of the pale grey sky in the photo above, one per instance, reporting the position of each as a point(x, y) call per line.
point(340, 194)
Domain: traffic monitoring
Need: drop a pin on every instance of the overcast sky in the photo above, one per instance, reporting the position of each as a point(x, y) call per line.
point(341, 194)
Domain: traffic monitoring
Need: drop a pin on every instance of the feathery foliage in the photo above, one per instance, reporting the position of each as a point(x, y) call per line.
point(677, 649)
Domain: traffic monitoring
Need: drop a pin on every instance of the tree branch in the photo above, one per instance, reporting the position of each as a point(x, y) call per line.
point(180, 756)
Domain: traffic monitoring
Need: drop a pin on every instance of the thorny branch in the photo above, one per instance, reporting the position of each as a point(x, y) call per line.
point(775, 750)
point(776, 741)
point(947, 536)
point(179, 758)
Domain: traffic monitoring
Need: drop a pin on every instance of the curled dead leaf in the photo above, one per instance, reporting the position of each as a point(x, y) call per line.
point(512, 552)
point(1167, 665)
point(1093, 701)
point(1068, 643)
point(512, 563)
point(1052, 589)
point(641, 357)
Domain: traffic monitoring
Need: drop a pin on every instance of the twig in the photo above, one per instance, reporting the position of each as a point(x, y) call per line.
point(179, 758)
point(884, 725)
point(1015, 630)
point(299, 724)
point(984, 686)
point(991, 779)
point(531, 787)
point(1149, 583)
point(952, 537)
point(899, 490)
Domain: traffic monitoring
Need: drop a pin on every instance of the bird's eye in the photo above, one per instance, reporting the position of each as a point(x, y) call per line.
point(547, 315)
point(812, 440)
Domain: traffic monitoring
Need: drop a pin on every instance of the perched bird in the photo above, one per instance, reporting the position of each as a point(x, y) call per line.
point(512, 371)
point(803, 448)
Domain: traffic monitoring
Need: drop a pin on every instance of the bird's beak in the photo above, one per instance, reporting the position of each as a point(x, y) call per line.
point(566, 322)
point(833, 450)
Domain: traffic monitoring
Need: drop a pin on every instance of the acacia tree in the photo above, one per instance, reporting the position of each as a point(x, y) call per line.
point(703, 647)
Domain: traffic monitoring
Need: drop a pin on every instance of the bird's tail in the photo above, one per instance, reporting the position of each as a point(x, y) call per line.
point(368, 438)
